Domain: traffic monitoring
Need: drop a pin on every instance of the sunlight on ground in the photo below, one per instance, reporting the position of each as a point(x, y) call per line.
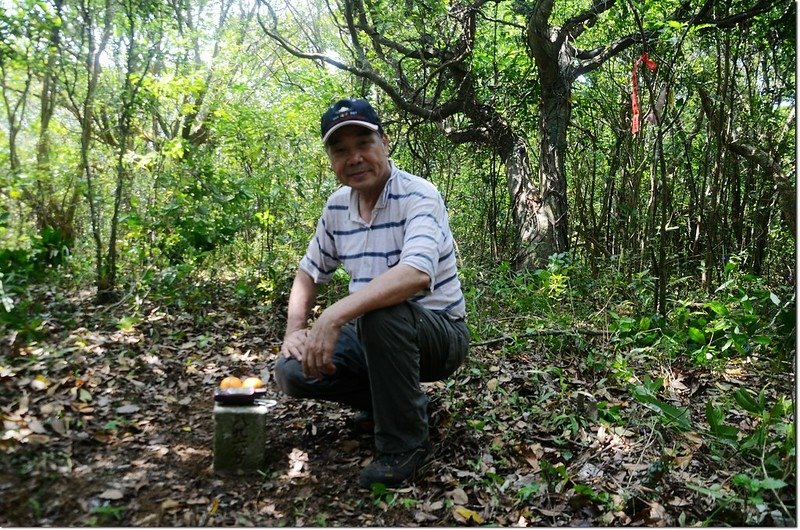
point(298, 464)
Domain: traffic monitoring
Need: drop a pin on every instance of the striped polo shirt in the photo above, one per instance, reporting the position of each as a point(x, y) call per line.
point(409, 225)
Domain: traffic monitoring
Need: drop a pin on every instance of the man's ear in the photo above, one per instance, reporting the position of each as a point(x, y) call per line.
point(386, 142)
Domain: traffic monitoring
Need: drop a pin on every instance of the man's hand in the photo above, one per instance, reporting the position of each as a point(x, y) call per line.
point(294, 344)
point(320, 342)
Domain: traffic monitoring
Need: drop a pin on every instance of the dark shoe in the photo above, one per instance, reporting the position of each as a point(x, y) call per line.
point(361, 423)
point(392, 469)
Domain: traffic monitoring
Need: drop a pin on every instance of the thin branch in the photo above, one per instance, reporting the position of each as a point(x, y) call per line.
point(436, 114)
point(502, 22)
point(592, 59)
point(576, 25)
point(595, 58)
point(734, 20)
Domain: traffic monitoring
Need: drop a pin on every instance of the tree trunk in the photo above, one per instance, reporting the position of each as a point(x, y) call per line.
point(93, 67)
point(54, 210)
point(556, 75)
point(553, 123)
point(529, 214)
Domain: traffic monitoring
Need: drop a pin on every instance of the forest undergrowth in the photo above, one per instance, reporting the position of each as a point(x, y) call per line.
point(575, 408)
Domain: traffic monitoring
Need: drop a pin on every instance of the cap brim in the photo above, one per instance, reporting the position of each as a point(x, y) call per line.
point(370, 126)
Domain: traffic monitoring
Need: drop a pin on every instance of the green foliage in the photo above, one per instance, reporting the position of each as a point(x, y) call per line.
point(669, 415)
point(715, 418)
point(205, 209)
point(382, 495)
point(20, 268)
point(772, 438)
point(529, 490)
point(744, 317)
point(20, 317)
point(752, 488)
point(768, 448)
point(106, 515)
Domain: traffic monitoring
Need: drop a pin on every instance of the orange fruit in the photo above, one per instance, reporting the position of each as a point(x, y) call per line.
point(255, 382)
point(230, 382)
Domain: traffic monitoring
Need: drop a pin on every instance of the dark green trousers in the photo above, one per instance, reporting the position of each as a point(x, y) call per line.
point(380, 359)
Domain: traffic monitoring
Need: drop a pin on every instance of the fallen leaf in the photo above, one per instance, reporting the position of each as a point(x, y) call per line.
point(40, 382)
point(59, 426)
point(683, 461)
point(458, 496)
point(677, 501)
point(146, 520)
point(170, 504)
point(589, 471)
point(465, 515)
point(532, 454)
point(694, 438)
point(421, 517)
point(103, 438)
point(112, 494)
point(658, 514)
point(677, 384)
point(36, 426)
point(548, 513)
point(127, 409)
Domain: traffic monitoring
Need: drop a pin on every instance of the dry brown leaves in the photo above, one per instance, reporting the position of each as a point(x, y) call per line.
point(108, 422)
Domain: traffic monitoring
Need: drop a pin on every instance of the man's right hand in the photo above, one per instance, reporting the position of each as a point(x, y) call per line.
point(294, 344)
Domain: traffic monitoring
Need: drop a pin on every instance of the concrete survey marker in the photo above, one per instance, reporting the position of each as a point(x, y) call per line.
point(240, 435)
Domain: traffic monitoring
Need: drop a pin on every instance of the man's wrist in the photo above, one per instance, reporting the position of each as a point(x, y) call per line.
point(293, 330)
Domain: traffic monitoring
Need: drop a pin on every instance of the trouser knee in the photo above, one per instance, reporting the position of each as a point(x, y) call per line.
point(289, 377)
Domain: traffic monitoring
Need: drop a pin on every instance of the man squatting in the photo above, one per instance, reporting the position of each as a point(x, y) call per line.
point(402, 322)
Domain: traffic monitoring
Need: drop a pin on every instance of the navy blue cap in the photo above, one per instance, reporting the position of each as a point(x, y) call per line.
point(349, 112)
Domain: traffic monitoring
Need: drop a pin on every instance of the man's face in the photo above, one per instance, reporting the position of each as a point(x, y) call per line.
point(359, 158)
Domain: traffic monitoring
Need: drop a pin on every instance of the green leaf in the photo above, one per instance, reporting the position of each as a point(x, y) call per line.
point(714, 415)
point(746, 400)
point(716, 422)
point(696, 335)
point(127, 323)
point(780, 409)
point(724, 284)
point(714, 491)
point(775, 299)
point(695, 29)
point(718, 307)
point(678, 416)
point(772, 483)
point(762, 339)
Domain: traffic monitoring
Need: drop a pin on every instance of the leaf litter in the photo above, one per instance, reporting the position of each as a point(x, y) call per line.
point(112, 425)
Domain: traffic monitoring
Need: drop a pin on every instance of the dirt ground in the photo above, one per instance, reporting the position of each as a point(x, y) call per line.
point(108, 422)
